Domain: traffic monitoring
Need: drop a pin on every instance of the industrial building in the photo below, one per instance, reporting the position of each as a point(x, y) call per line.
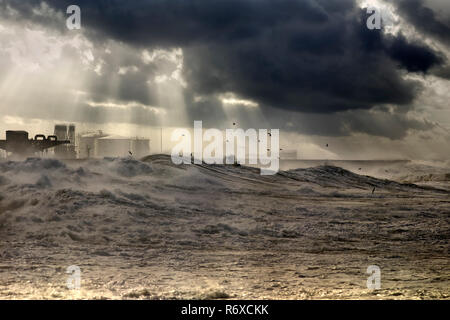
point(113, 146)
point(140, 147)
point(67, 145)
point(98, 145)
point(18, 142)
point(87, 144)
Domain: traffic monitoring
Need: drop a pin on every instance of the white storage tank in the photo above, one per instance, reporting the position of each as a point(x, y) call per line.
point(140, 147)
point(87, 145)
point(113, 146)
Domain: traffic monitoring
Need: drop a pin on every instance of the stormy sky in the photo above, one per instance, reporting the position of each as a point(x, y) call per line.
point(311, 68)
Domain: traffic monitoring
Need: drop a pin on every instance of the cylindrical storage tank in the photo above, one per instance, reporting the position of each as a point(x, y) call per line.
point(140, 147)
point(113, 146)
point(86, 144)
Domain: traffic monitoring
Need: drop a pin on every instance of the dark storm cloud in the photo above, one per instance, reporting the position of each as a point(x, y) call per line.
point(429, 18)
point(314, 57)
point(425, 18)
point(310, 55)
point(390, 125)
point(413, 57)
